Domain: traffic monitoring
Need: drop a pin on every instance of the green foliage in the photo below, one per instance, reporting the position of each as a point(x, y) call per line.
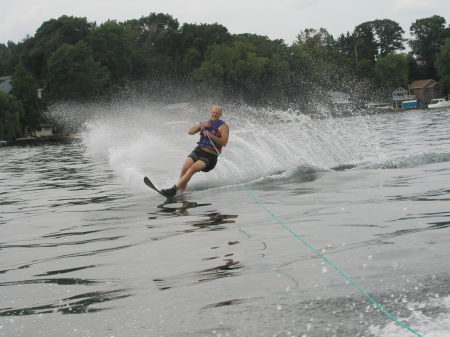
point(192, 60)
point(317, 62)
point(11, 114)
point(391, 71)
point(235, 66)
point(262, 45)
point(389, 36)
point(365, 67)
point(10, 55)
point(74, 74)
point(200, 37)
point(312, 39)
point(75, 59)
point(25, 90)
point(111, 47)
point(157, 45)
point(443, 66)
point(49, 37)
point(4, 59)
point(377, 38)
point(365, 45)
point(429, 34)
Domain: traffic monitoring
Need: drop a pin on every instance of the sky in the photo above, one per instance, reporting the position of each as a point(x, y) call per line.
point(277, 19)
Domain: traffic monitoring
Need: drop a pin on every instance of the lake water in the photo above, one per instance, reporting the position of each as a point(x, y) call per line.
point(88, 250)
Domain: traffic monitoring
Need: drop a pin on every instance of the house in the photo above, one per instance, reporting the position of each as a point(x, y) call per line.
point(43, 130)
point(425, 90)
point(399, 95)
point(5, 84)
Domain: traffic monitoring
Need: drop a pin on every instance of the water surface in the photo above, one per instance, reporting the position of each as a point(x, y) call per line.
point(88, 250)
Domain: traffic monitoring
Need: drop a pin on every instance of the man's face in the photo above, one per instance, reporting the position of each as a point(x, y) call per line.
point(215, 113)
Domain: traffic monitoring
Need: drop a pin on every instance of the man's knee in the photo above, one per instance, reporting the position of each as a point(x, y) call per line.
point(186, 165)
point(192, 170)
point(198, 166)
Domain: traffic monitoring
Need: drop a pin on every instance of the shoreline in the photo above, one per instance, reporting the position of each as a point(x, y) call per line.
point(39, 140)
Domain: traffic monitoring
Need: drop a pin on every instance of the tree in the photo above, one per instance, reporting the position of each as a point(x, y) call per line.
point(157, 45)
point(389, 36)
point(378, 38)
point(275, 80)
point(320, 59)
point(191, 60)
point(429, 34)
point(313, 39)
point(443, 66)
point(4, 59)
point(10, 55)
point(25, 90)
point(74, 74)
point(346, 46)
point(392, 70)
point(111, 47)
point(262, 45)
point(11, 114)
point(202, 36)
point(49, 37)
point(365, 44)
point(365, 67)
point(235, 66)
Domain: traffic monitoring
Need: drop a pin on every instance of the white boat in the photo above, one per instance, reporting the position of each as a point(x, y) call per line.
point(439, 103)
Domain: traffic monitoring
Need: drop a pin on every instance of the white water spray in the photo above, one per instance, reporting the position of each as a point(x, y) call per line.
point(140, 138)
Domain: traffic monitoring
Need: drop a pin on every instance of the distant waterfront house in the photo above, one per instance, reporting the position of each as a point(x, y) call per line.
point(5, 84)
point(399, 95)
point(43, 130)
point(425, 90)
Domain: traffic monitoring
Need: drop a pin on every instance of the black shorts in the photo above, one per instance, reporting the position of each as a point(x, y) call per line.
point(208, 158)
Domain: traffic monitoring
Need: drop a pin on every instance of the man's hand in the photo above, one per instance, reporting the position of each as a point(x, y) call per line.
point(204, 125)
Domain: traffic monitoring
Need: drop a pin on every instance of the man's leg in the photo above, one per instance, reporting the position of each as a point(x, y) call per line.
point(193, 169)
point(186, 165)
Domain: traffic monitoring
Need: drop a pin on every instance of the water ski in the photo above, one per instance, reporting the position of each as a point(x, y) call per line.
point(148, 182)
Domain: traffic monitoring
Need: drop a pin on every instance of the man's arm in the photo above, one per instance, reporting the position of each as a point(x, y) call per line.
point(196, 128)
point(224, 132)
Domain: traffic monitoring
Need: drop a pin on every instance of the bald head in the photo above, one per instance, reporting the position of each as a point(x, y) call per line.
point(217, 107)
point(216, 112)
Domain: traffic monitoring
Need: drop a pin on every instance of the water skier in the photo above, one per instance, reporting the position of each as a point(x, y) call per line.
point(204, 156)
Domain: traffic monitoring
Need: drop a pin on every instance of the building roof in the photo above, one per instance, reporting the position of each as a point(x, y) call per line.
point(400, 90)
point(420, 84)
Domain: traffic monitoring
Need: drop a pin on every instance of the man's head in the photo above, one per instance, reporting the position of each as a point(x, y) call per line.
point(216, 112)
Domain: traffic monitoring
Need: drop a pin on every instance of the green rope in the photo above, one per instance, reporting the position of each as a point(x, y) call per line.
point(307, 244)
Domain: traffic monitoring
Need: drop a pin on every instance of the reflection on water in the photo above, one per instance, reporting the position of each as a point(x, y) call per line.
point(212, 220)
point(228, 268)
point(433, 195)
point(175, 209)
point(77, 304)
point(224, 303)
point(64, 271)
point(209, 221)
point(225, 270)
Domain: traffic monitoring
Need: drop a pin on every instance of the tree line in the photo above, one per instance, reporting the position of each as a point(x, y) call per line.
point(74, 59)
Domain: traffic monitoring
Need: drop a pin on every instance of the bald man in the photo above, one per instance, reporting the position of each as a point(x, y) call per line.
point(204, 156)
